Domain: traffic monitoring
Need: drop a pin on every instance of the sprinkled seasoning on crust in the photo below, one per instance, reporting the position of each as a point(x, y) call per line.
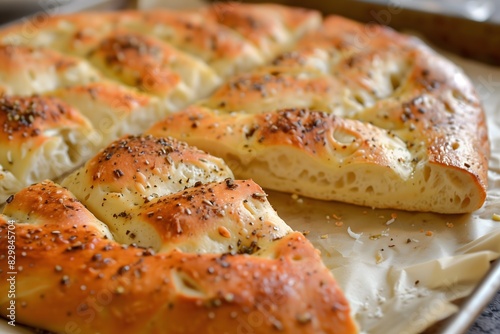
point(23, 117)
point(383, 122)
point(150, 291)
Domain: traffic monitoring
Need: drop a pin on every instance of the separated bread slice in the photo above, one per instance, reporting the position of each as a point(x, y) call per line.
point(41, 138)
point(134, 170)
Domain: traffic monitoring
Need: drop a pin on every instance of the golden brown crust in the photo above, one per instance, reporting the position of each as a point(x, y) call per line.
point(318, 134)
point(425, 106)
point(191, 213)
point(173, 292)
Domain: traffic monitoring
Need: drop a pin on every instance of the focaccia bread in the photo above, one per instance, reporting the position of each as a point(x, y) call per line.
point(404, 129)
point(135, 170)
point(325, 108)
point(125, 70)
point(187, 249)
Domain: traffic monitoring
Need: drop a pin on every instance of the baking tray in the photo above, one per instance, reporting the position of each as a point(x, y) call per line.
point(469, 307)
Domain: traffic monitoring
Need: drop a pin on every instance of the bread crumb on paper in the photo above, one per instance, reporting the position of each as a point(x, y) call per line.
point(354, 235)
point(379, 258)
point(496, 217)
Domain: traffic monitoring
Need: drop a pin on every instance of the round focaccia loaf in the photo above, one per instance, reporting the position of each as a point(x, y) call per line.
point(135, 170)
point(41, 137)
point(125, 70)
point(224, 260)
point(407, 130)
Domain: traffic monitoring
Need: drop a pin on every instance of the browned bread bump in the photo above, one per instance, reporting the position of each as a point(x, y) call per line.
point(406, 129)
point(25, 70)
point(135, 170)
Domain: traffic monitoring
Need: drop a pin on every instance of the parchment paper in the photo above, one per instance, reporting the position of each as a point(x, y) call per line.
point(402, 270)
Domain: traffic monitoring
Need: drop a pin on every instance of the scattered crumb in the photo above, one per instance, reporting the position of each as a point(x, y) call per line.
point(496, 217)
point(305, 233)
point(295, 197)
point(327, 217)
point(354, 235)
point(429, 233)
point(394, 215)
point(449, 225)
point(324, 236)
point(379, 257)
point(336, 217)
point(339, 223)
